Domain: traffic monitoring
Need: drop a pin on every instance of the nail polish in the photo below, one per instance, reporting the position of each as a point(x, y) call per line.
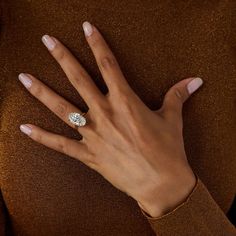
point(25, 129)
point(49, 42)
point(88, 29)
point(25, 80)
point(194, 84)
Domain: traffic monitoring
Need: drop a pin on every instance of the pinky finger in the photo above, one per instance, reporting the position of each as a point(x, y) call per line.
point(71, 147)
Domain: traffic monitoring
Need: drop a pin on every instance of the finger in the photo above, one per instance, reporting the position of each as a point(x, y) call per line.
point(178, 94)
point(77, 75)
point(71, 147)
point(49, 98)
point(105, 59)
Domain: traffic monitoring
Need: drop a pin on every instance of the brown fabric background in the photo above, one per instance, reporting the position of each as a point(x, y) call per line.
point(157, 42)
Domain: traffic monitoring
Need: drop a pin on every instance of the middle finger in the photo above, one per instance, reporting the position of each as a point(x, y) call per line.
point(77, 75)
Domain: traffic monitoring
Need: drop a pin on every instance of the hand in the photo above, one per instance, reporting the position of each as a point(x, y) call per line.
point(139, 151)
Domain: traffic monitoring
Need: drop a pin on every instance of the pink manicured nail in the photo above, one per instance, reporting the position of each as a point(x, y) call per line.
point(194, 84)
point(25, 80)
point(88, 29)
point(25, 129)
point(48, 42)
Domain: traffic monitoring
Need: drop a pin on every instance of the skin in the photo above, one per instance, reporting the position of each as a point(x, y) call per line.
point(138, 150)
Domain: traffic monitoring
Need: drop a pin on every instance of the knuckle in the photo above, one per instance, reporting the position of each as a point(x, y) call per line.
point(108, 62)
point(59, 54)
point(105, 115)
point(80, 78)
point(61, 109)
point(37, 90)
point(127, 104)
point(91, 160)
point(103, 109)
point(95, 40)
point(178, 93)
point(62, 145)
point(83, 74)
point(104, 119)
point(38, 137)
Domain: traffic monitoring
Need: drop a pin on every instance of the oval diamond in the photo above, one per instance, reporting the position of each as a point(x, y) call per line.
point(77, 119)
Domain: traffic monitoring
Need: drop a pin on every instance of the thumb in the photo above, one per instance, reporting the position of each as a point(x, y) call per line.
point(178, 94)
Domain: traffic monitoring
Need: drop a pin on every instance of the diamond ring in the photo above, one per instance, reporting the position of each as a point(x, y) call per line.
point(77, 119)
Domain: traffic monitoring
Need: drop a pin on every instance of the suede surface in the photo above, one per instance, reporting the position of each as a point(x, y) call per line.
point(157, 43)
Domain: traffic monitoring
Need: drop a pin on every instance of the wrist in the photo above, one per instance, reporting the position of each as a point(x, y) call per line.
point(169, 195)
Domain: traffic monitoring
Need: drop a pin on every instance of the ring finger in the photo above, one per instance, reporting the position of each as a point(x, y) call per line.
point(50, 99)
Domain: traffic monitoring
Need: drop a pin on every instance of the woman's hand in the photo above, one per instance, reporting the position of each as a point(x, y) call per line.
point(140, 151)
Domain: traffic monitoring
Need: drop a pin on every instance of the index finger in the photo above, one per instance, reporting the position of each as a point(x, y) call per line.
point(105, 59)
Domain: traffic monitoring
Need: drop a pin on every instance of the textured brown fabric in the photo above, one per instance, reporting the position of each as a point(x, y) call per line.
point(157, 42)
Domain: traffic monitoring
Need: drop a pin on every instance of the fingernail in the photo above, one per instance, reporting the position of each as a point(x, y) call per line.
point(25, 80)
point(194, 84)
point(88, 29)
point(48, 42)
point(25, 129)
